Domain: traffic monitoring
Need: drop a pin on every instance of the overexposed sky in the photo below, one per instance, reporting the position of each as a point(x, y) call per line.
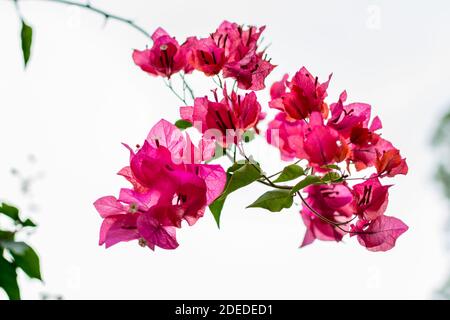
point(81, 96)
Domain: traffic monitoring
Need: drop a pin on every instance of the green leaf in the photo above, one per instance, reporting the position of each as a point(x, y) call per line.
point(8, 279)
point(332, 166)
point(239, 175)
point(216, 209)
point(309, 180)
point(26, 36)
point(274, 200)
point(183, 124)
point(28, 223)
point(6, 235)
point(290, 172)
point(242, 177)
point(331, 176)
point(10, 211)
point(24, 257)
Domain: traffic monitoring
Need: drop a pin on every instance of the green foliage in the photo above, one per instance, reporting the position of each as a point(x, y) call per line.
point(10, 211)
point(13, 213)
point(239, 175)
point(290, 172)
point(16, 254)
point(182, 124)
point(307, 181)
point(26, 36)
point(274, 200)
point(8, 279)
point(332, 177)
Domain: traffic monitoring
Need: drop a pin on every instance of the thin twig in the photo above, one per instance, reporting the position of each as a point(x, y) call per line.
point(169, 85)
point(105, 14)
point(191, 92)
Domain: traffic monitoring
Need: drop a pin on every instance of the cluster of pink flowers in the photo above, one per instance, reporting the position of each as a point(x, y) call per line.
point(170, 184)
point(307, 128)
point(231, 49)
point(172, 179)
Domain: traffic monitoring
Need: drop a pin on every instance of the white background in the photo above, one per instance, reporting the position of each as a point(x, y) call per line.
point(81, 96)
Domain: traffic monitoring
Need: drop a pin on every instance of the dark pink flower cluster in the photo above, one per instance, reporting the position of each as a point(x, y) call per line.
point(171, 180)
point(231, 49)
point(170, 183)
point(307, 128)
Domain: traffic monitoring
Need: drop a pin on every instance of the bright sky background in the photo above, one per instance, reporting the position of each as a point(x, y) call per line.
point(81, 96)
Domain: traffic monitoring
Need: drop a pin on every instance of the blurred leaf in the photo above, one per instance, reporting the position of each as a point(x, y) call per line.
point(28, 223)
point(16, 247)
point(309, 180)
point(26, 36)
point(443, 131)
point(10, 211)
point(8, 279)
point(6, 235)
point(274, 200)
point(238, 176)
point(24, 257)
point(183, 124)
point(290, 172)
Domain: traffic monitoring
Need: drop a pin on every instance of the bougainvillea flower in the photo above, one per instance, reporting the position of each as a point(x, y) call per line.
point(278, 88)
point(188, 157)
point(306, 95)
point(371, 198)
point(170, 184)
point(204, 55)
point(154, 232)
point(320, 144)
point(249, 72)
point(332, 202)
point(346, 117)
point(164, 58)
point(281, 130)
point(228, 37)
point(379, 234)
point(390, 163)
point(226, 120)
point(119, 221)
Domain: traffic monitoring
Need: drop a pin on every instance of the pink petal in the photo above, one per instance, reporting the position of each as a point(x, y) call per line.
point(108, 206)
point(215, 179)
point(154, 233)
point(141, 59)
point(382, 233)
point(167, 135)
point(143, 200)
point(118, 228)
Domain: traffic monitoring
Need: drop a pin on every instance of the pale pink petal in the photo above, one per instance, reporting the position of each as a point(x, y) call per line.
point(215, 179)
point(143, 200)
point(108, 206)
point(118, 228)
point(382, 233)
point(167, 135)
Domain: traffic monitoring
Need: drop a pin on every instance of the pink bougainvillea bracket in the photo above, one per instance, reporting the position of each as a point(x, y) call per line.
point(338, 160)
